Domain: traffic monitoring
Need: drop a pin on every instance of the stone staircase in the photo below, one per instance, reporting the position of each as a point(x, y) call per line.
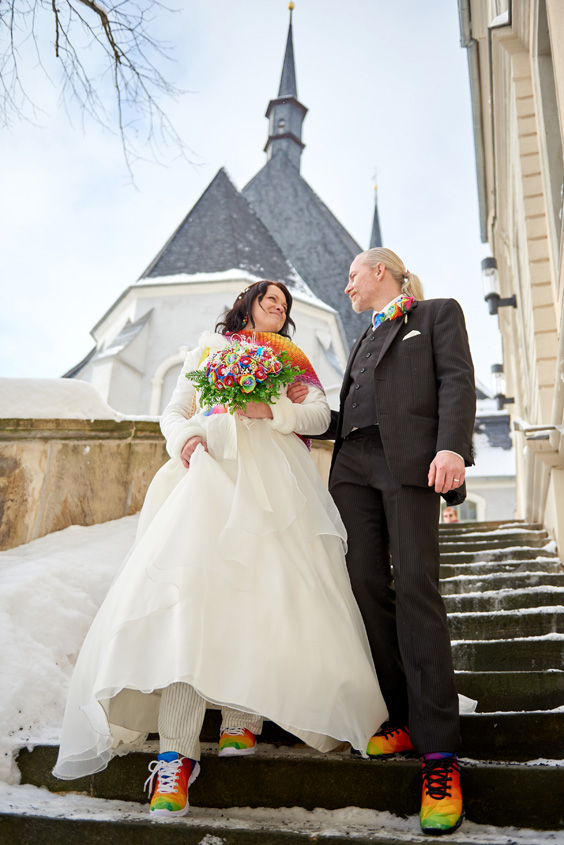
point(504, 590)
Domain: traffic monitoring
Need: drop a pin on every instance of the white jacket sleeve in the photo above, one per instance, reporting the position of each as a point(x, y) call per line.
point(311, 417)
point(175, 423)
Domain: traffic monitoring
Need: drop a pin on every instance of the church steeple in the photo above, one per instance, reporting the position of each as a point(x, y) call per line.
point(376, 235)
point(286, 114)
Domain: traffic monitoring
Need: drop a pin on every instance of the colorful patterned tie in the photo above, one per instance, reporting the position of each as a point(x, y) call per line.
point(395, 309)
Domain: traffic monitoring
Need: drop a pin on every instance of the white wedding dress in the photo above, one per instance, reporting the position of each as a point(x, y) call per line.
point(237, 585)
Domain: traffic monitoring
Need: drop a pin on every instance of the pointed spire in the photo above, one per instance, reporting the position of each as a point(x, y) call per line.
point(376, 236)
point(288, 86)
point(286, 113)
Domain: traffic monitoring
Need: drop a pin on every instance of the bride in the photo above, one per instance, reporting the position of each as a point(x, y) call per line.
point(235, 591)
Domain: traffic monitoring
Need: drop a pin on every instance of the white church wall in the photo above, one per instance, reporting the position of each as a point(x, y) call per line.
point(180, 312)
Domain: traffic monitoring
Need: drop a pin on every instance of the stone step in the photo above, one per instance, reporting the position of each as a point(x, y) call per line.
point(512, 553)
point(518, 579)
point(495, 691)
point(519, 536)
point(485, 736)
point(504, 599)
point(450, 570)
point(194, 829)
point(490, 527)
point(492, 544)
point(507, 624)
point(304, 779)
point(532, 654)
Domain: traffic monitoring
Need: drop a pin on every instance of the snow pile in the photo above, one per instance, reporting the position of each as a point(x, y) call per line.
point(50, 591)
point(56, 398)
point(52, 398)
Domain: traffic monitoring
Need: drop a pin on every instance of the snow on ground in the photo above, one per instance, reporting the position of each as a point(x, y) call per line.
point(50, 590)
point(353, 822)
point(56, 398)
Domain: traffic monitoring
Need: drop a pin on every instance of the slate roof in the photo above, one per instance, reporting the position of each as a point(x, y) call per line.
point(311, 237)
point(222, 232)
point(497, 430)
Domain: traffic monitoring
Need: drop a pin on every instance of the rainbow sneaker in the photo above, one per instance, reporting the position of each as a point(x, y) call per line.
point(237, 742)
point(441, 800)
point(390, 739)
point(174, 775)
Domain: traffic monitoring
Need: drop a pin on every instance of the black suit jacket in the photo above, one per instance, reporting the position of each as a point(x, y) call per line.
point(425, 392)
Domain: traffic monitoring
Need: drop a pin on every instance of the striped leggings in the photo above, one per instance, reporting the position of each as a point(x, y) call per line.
point(181, 717)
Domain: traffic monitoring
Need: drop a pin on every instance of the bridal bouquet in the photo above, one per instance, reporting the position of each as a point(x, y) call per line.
point(243, 372)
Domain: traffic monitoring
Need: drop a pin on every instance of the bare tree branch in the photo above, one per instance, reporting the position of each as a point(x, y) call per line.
point(98, 48)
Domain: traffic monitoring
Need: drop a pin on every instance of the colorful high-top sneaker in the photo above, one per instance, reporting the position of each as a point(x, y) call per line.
point(441, 798)
point(390, 739)
point(174, 775)
point(237, 742)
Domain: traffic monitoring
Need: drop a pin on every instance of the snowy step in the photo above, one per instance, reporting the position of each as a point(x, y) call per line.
point(519, 579)
point(451, 570)
point(492, 544)
point(494, 691)
point(293, 778)
point(507, 624)
point(64, 820)
point(492, 527)
point(504, 599)
point(519, 535)
point(510, 553)
point(531, 654)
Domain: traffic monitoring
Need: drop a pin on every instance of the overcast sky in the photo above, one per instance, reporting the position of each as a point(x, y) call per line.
point(386, 85)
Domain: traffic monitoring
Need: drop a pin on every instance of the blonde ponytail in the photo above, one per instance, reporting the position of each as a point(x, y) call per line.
point(409, 282)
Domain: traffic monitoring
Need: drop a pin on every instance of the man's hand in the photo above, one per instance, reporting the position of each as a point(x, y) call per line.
point(446, 472)
point(256, 411)
point(297, 392)
point(189, 448)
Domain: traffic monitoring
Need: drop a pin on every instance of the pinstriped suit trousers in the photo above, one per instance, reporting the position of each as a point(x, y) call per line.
point(404, 613)
point(181, 716)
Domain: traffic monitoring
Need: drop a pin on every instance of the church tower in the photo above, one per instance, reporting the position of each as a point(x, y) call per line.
point(286, 114)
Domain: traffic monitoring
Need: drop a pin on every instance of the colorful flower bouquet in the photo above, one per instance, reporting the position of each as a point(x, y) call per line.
point(243, 372)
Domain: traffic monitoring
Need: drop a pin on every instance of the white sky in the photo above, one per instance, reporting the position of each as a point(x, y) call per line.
point(386, 85)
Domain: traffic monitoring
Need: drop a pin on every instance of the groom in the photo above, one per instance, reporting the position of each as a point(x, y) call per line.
point(403, 436)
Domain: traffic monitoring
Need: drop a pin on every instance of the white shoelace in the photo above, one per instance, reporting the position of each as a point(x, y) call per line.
point(167, 773)
point(234, 731)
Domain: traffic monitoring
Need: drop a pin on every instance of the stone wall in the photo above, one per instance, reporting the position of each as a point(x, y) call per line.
point(55, 473)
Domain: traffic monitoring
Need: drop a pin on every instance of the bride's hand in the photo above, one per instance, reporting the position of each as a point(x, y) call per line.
point(297, 392)
point(256, 411)
point(189, 448)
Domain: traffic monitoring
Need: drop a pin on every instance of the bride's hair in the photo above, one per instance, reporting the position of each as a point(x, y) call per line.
point(239, 315)
point(410, 283)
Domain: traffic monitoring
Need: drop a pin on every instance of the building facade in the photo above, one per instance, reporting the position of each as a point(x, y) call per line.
point(516, 67)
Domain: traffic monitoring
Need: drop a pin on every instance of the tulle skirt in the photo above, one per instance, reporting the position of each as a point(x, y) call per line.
point(237, 585)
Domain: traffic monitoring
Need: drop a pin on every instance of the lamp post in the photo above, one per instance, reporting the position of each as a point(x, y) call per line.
point(498, 385)
point(490, 281)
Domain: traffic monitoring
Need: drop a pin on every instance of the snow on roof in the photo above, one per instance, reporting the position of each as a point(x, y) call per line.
point(490, 460)
point(299, 289)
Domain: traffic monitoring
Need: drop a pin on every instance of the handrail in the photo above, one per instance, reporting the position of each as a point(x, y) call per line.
point(525, 427)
